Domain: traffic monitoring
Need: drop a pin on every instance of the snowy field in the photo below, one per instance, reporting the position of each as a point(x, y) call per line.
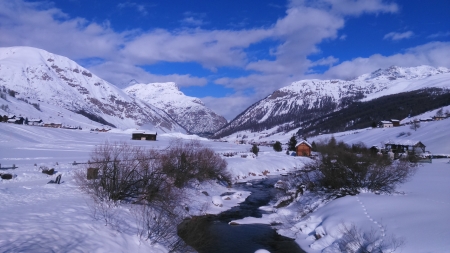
point(40, 217)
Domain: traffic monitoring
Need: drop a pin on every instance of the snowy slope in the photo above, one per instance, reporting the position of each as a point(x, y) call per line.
point(46, 78)
point(309, 99)
point(189, 112)
point(416, 214)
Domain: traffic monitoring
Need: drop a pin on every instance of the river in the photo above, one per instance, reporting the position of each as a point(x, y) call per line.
point(213, 234)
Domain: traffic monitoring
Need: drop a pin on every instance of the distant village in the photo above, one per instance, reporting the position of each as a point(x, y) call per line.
point(13, 119)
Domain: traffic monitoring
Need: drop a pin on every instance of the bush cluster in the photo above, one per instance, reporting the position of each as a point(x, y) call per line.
point(152, 181)
point(345, 169)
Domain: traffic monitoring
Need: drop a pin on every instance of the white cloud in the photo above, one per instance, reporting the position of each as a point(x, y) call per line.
point(211, 49)
point(439, 35)
point(348, 7)
point(398, 36)
point(139, 7)
point(435, 54)
point(192, 21)
point(328, 61)
point(37, 25)
point(120, 74)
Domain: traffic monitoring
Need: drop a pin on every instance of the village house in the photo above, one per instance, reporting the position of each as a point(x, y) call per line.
point(303, 148)
point(34, 122)
point(395, 122)
point(54, 125)
point(141, 135)
point(439, 118)
point(15, 120)
point(400, 148)
point(386, 124)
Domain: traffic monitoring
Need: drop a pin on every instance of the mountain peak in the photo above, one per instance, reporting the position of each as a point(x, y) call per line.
point(189, 112)
point(132, 82)
point(37, 75)
point(395, 72)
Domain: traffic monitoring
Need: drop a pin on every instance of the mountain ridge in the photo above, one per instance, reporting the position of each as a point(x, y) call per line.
point(38, 75)
point(306, 100)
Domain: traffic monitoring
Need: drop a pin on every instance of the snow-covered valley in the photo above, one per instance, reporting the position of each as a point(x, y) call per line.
point(41, 217)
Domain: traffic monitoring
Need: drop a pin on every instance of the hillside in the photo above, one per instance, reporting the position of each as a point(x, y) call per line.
point(40, 77)
point(302, 103)
point(189, 112)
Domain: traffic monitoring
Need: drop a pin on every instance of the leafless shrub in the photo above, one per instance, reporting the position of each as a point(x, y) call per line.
point(354, 240)
point(157, 224)
point(151, 181)
point(344, 170)
point(187, 161)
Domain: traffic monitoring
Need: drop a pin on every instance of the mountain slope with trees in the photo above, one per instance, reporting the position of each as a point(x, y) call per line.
point(302, 103)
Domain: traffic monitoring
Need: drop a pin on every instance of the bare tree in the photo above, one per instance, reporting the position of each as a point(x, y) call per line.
point(187, 161)
point(415, 124)
point(440, 112)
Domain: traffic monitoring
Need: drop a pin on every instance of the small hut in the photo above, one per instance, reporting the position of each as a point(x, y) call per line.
point(303, 148)
point(386, 124)
point(395, 122)
point(141, 135)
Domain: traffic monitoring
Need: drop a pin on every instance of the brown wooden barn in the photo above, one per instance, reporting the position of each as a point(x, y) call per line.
point(141, 135)
point(303, 148)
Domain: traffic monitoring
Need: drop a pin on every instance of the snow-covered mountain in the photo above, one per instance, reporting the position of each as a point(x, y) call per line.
point(189, 112)
point(307, 100)
point(41, 77)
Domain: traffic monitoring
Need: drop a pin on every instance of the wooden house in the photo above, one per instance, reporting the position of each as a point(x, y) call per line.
point(54, 125)
point(408, 147)
point(395, 122)
point(303, 148)
point(386, 124)
point(141, 135)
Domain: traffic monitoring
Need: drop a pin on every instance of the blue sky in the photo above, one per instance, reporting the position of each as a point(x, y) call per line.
point(232, 53)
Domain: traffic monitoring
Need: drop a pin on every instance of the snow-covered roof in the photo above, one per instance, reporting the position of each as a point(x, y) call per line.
point(34, 120)
point(143, 132)
point(392, 120)
point(307, 143)
point(385, 122)
point(403, 142)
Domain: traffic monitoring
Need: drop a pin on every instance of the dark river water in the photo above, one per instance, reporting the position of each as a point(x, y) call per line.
point(213, 234)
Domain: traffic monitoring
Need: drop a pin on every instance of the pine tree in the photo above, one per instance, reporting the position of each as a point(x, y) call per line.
point(313, 146)
point(292, 143)
point(277, 146)
point(255, 149)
